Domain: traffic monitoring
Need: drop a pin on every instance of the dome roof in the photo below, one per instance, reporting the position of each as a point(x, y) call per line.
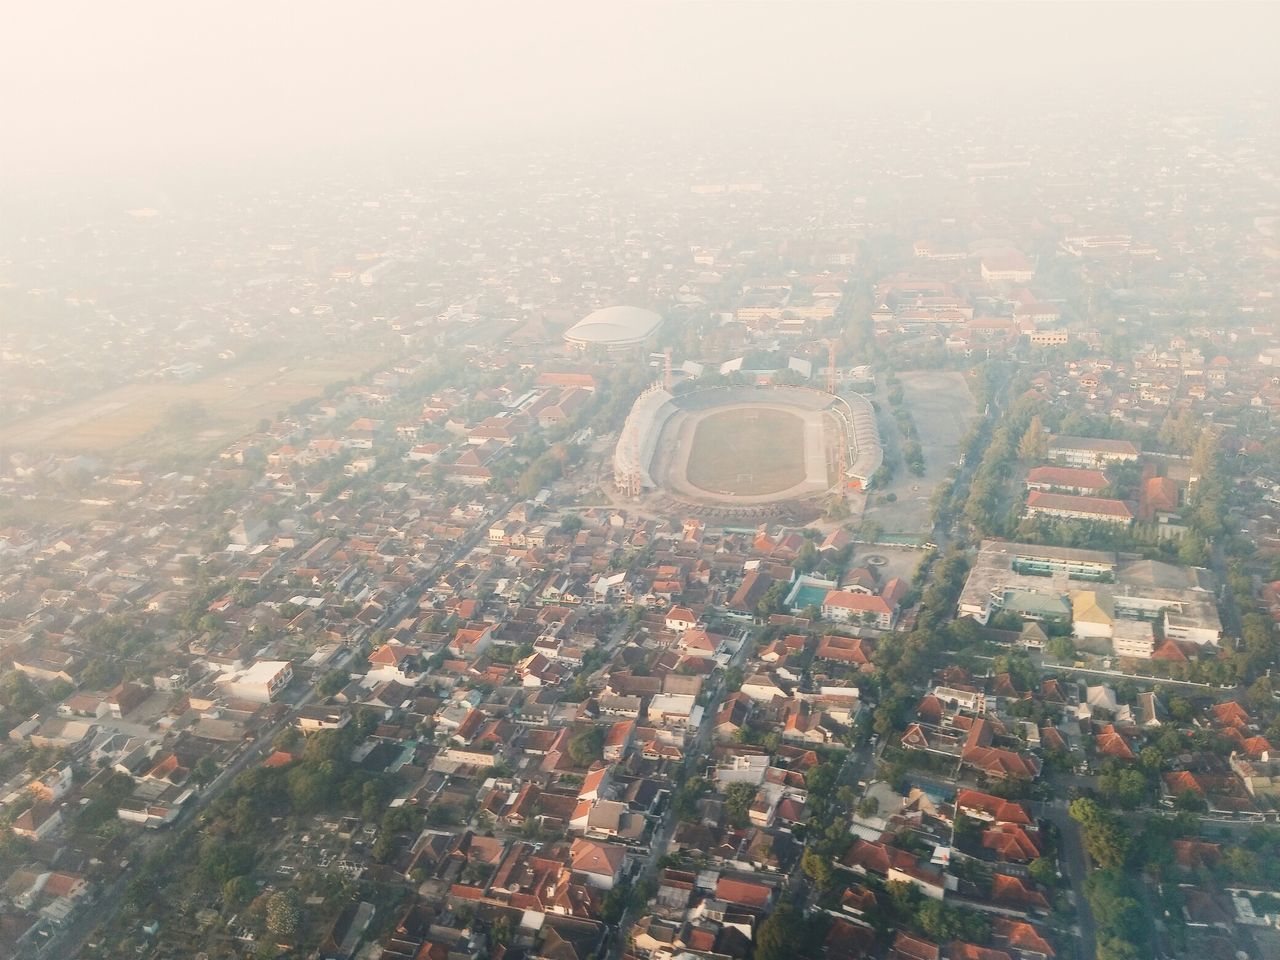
point(614, 326)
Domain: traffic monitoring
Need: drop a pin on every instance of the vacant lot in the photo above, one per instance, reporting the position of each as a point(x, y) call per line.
point(942, 409)
point(233, 400)
point(748, 452)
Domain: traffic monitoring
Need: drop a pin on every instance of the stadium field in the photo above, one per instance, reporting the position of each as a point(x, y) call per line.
point(747, 451)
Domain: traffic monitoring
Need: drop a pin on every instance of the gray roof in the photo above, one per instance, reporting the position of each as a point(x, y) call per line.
point(614, 325)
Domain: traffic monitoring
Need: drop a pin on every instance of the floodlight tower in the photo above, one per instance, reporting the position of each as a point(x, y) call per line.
point(666, 369)
point(831, 366)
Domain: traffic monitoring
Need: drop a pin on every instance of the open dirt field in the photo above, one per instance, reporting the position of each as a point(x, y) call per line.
point(748, 452)
point(235, 399)
point(942, 409)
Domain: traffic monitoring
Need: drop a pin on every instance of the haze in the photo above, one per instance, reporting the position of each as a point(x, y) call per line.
point(96, 88)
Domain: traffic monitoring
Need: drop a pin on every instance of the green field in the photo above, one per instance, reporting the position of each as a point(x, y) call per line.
point(747, 452)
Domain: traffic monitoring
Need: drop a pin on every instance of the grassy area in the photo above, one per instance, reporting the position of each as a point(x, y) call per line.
point(748, 452)
point(46, 510)
point(233, 400)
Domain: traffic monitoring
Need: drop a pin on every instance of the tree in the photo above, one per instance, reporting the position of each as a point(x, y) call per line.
point(587, 746)
point(807, 558)
point(817, 868)
point(499, 933)
point(615, 903)
point(383, 847)
point(1105, 837)
point(19, 697)
point(373, 799)
point(332, 682)
point(205, 770)
point(1260, 694)
point(1034, 444)
point(1242, 865)
point(686, 799)
point(737, 803)
point(772, 600)
point(1062, 649)
point(237, 892)
point(283, 913)
point(1127, 788)
point(219, 861)
point(1043, 872)
point(779, 935)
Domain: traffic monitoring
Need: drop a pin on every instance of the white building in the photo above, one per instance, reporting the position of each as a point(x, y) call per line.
point(261, 682)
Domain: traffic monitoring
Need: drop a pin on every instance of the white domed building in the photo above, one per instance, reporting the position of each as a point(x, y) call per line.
point(614, 328)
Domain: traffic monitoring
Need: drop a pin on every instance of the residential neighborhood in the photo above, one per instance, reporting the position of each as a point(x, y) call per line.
point(374, 582)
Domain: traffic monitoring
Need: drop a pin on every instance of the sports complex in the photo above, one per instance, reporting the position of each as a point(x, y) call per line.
point(746, 452)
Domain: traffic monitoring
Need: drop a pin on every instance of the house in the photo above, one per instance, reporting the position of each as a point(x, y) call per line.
point(699, 643)
point(844, 606)
point(732, 715)
point(991, 809)
point(1020, 937)
point(907, 947)
point(596, 863)
point(262, 682)
point(618, 740)
point(757, 896)
point(746, 599)
point(37, 822)
point(1013, 893)
point(680, 619)
point(1093, 614)
point(1010, 842)
point(675, 710)
point(471, 641)
point(994, 761)
point(1110, 742)
point(893, 863)
point(313, 718)
point(49, 664)
point(125, 698)
point(854, 651)
point(762, 688)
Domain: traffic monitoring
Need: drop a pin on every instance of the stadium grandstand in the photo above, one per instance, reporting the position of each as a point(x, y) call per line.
point(614, 328)
point(639, 440)
point(865, 453)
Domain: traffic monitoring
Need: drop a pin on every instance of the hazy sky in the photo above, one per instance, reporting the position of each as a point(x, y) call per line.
point(96, 86)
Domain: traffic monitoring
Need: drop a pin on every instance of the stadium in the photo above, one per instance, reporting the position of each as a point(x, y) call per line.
point(614, 328)
point(749, 452)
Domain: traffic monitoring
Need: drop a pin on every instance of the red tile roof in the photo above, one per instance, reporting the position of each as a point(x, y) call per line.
point(996, 808)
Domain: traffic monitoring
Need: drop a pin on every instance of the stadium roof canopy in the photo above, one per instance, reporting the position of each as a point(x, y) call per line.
point(614, 327)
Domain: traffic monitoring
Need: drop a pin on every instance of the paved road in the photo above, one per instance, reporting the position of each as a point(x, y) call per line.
point(1076, 862)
